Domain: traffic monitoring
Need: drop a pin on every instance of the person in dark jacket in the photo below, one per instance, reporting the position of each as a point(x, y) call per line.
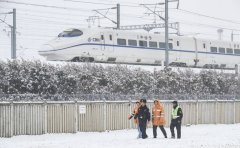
point(143, 116)
point(176, 119)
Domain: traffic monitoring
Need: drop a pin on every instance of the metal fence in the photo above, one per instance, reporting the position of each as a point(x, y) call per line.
point(35, 118)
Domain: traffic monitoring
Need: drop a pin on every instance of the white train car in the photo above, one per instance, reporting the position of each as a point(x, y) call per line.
point(118, 46)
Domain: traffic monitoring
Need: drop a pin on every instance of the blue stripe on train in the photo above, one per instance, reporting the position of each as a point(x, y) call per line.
point(190, 51)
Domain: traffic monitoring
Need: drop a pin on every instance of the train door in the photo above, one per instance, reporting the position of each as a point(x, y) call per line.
point(110, 42)
point(103, 46)
point(107, 42)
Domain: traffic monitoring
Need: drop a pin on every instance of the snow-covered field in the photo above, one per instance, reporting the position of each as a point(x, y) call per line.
point(196, 136)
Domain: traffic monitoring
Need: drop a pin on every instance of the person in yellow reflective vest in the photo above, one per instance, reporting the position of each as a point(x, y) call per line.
point(176, 119)
point(158, 118)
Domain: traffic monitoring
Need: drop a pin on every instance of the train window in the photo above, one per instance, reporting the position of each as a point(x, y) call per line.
point(170, 45)
point(102, 37)
point(204, 45)
point(221, 50)
point(132, 42)
point(177, 43)
point(110, 37)
point(213, 49)
point(121, 41)
point(71, 33)
point(237, 51)
point(152, 44)
point(229, 50)
point(162, 45)
point(143, 43)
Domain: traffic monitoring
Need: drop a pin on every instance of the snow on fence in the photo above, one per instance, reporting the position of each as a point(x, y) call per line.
point(35, 118)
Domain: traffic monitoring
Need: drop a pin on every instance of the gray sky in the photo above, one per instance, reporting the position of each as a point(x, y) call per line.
point(38, 24)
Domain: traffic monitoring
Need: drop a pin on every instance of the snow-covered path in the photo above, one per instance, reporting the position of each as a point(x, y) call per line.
point(196, 136)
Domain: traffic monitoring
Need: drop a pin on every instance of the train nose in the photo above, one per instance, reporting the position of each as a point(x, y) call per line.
point(46, 48)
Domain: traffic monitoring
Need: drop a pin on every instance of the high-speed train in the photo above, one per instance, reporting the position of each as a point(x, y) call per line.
point(119, 46)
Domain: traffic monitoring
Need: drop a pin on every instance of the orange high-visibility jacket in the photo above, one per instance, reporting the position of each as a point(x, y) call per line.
point(158, 117)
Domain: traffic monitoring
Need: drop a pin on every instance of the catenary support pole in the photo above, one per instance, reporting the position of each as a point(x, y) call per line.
point(166, 35)
point(118, 16)
point(13, 30)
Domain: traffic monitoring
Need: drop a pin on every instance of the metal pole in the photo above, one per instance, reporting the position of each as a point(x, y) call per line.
point(12, 48)
point(166, 35)
point(13, 29)
point(118, 16)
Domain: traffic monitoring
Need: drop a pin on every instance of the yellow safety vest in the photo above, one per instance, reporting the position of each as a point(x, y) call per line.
point(174, 112)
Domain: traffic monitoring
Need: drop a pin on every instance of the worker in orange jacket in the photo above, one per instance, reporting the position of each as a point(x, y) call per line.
point(158, 118)
point(134, 113)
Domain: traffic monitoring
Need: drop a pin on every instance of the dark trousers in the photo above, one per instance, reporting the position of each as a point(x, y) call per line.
point(143, 127)
point(162, 129)
point(178, 126)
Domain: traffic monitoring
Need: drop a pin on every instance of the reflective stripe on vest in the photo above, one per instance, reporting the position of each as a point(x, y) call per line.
point(174, 112)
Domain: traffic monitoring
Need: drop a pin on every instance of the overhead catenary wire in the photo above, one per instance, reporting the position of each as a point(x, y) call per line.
point(210, 26)
point(207, 16)
point(41, 17)
point(100, 3)
point(53, 22)
point(79, 9)
point(22, 10)
point(49, 21)
point(45, 12)
point(45, 6)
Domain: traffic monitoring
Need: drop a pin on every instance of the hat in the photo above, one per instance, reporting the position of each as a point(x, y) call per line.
point(143, 100)
point(174, 102)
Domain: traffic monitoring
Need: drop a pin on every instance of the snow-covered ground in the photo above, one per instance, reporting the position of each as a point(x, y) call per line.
point(196, 136)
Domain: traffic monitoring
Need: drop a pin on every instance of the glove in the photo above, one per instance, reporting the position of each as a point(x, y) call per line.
point(130, 117)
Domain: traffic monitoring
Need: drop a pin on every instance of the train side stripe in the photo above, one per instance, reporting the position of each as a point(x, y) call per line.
point(177, 50)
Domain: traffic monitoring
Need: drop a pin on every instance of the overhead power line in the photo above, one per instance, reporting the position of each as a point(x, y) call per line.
point(209, 26)
point(116, 1)
point(46, 6)
point(99, 3)
point(207, 16)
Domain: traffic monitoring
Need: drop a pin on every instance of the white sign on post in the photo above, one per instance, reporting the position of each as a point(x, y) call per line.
point(82, 109)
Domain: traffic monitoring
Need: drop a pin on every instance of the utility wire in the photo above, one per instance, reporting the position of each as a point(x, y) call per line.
point(210, 26)
point(80, 9)
point(41, 16)
point(98, 3)
point(46, 6)
point(5, 23)
point(207, 16)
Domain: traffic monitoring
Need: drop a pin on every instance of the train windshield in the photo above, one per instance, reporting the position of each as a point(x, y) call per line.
point(71, 33)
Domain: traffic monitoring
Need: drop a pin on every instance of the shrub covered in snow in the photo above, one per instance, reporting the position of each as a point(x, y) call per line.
point(37, 78)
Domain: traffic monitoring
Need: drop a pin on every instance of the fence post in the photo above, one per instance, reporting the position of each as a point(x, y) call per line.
point(76, 118)
point(45, 117)
point(11, 120)
point(104, 115)
point(216, 109)
point(234, 110)
point(130, 112)
point(197, 111)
